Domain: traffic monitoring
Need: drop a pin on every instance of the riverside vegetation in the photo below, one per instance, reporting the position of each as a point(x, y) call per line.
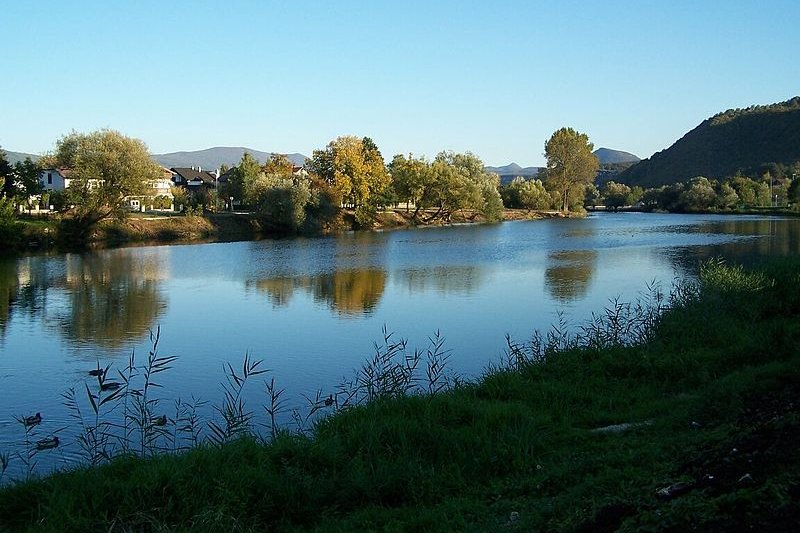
point(347, 185)
point(675, 412)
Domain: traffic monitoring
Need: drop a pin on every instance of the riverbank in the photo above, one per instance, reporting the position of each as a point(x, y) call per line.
point(692, 427)
point(39, 234)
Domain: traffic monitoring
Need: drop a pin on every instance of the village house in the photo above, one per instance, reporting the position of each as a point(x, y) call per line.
point(158, 195)
point(57, 179)
point(195, 179)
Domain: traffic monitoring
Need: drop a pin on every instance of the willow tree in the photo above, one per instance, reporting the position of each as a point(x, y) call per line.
point(571, 165)
point(105, 169)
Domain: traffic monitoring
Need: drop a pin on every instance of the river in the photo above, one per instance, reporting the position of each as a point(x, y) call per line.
point(311, 309)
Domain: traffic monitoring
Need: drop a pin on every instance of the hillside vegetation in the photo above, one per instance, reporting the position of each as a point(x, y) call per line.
point(748, 141)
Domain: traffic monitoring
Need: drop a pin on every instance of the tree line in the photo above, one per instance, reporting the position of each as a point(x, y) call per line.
point(701, 194)
point(107, 168)
point(351, 173)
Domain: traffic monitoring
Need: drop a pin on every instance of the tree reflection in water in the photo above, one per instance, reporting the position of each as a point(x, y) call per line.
point(449, 279)
point(8, 292)
point(569, 274)
point(348, 292)
point(111, 299)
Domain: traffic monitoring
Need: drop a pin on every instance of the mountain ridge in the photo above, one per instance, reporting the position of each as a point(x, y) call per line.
point(14, 157)
point(212, 158)
point(737, 140)
point(609, 156)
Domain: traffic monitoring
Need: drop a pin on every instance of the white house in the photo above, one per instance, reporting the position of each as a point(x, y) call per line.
point(54, 179)
point(57, 179)
point(161, 186)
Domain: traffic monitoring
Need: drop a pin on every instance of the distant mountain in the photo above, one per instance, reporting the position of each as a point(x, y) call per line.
point(212, 158)
point(514, 169)
point(737, 140)
point(13, 157)
point(508, 172)
point(607, 156)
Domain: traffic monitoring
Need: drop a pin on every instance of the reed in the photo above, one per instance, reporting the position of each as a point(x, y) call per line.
point(594, 437)
point(236, 417)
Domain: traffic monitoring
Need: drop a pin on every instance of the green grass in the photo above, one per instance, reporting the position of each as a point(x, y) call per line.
point(715, 391)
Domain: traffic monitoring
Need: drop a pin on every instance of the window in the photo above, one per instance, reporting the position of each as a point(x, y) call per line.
point(49, 178)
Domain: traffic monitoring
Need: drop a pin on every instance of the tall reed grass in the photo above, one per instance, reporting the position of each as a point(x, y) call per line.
point(121, 412)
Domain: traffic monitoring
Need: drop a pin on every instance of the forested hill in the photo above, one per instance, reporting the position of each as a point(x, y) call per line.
point(746, 140)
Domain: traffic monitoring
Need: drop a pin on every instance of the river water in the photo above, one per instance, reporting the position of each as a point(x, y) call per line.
point(311, 309)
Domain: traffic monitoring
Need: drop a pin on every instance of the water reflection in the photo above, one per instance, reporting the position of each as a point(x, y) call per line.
point(109, 299)
point(24, 285)
point(442, 279)
point(112, 298)
point(771, 237)
point(8, 292)
point(348, 292)
point(569, 273)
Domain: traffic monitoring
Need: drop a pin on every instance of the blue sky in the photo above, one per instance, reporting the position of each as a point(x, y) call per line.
point(495, 78)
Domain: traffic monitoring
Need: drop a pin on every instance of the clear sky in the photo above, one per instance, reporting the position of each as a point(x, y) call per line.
point(492, 77)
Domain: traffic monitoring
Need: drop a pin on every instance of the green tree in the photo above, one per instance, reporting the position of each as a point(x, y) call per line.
point(592, 196)
point(699, 196)
point(745, 189)
point(793, 192)
point(105, 168)
point(530, 194)
point(242, 184)
point(26, 174)
point(6, 176)
point(726, 197)
point(492, 206)
point(460, 182)
point(616, 195)
point(636, 194)
point(571, 165)
point(281, 202)
point(652, 198)
point(411, 180)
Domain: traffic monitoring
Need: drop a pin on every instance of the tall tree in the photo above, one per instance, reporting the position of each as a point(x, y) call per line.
point(241, 184)
point(355, 169)
point(27, 177)
point(6, 171)
point(570, 164)
point(105, 168)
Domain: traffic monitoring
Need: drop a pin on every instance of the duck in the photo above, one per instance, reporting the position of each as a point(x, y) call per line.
point(110, 385)
point(47, 444)
point(329, 400)
point(160, 420)
point(33, 420)
point(97, 372)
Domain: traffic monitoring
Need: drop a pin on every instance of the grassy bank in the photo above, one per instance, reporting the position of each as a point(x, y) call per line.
point(688, 421)
point(32, 234)
point(177, 228)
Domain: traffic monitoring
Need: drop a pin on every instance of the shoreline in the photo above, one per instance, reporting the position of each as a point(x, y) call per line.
point(41, 234)
point(36, 234)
